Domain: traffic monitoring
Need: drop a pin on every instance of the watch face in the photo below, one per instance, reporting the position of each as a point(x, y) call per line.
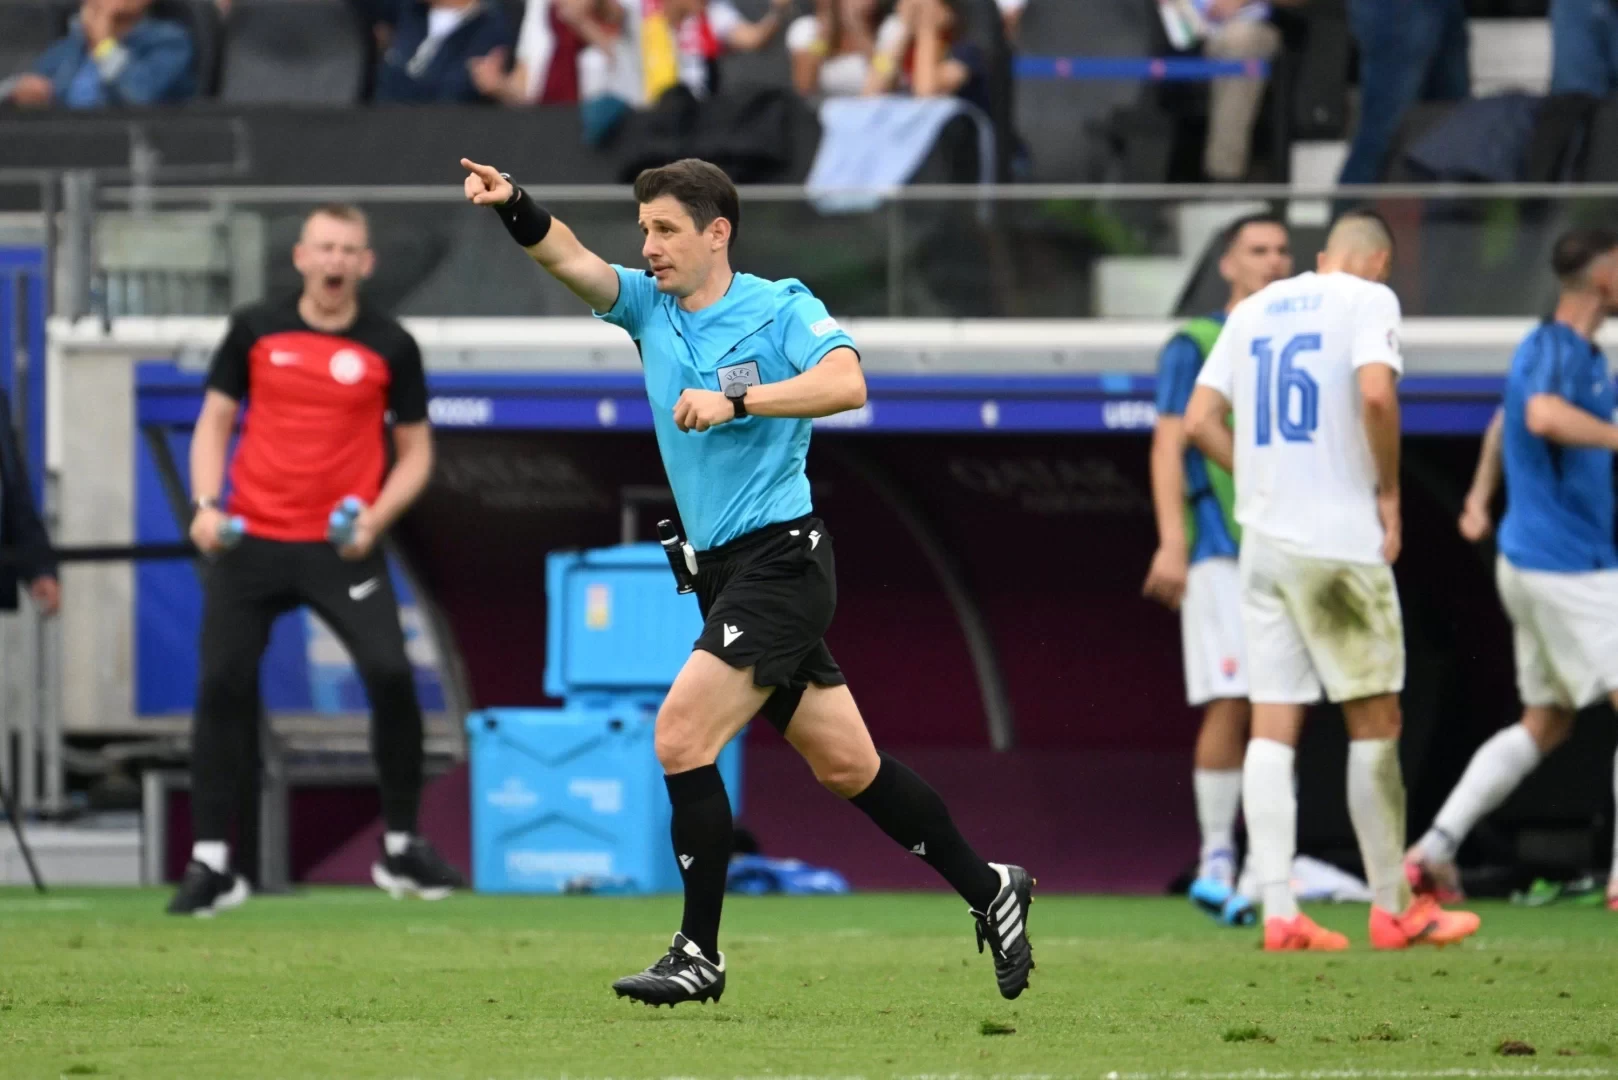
point(736, 390)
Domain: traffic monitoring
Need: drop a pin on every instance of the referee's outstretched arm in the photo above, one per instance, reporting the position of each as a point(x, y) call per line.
point(835, 384)
point(548, 242)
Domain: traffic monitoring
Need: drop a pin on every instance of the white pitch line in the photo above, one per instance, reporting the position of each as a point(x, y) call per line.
point(59, 903)
point(1507, 1073)
point(1367, 1074)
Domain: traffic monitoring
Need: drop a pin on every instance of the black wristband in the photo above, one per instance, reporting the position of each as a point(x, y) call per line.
point(526, 220)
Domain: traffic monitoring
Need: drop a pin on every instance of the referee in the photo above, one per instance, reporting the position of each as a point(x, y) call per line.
point(322, 374)
point(736, 367)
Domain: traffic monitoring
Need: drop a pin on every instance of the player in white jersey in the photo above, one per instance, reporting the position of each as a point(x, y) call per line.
point(1309, 368)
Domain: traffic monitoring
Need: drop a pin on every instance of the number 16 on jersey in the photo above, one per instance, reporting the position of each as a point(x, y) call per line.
point(1287, 397)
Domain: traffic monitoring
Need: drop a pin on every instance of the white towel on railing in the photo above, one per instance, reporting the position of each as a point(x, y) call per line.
point(868, 145)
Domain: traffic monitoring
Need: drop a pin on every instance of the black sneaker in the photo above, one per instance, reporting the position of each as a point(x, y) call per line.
point(1004, 928)
point(420, 870)
point(683, 974)
point(203, 891)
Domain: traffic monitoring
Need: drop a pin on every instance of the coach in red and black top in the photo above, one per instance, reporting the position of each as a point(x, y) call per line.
point(322, 377)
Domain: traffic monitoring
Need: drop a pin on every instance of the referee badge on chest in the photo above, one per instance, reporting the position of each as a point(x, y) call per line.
point(744, 374)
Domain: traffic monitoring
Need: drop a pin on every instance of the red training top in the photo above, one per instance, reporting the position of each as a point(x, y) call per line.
point(318, 405)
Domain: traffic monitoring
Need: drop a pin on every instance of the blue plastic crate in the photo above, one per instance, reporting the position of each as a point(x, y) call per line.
point(574, 796)
point(614, 621)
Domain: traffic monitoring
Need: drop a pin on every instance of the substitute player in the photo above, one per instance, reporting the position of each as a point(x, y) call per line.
point(1311, 366)
point(1194, 569)
point(1557, 569)
point(736, 367)
point(321, 373)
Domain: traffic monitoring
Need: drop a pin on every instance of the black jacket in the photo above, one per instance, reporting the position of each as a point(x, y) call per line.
point(20, 525)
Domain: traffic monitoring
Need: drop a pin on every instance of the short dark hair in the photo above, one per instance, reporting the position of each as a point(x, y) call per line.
point(1233, 231)
point(1577, 248)
point(702, 188)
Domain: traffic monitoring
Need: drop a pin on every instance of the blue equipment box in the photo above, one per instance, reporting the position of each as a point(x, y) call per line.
point(615, 622)
point(573, 798)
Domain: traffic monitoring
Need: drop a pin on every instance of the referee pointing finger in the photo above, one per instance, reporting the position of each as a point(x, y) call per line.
point(736, 367)
point(321, 374)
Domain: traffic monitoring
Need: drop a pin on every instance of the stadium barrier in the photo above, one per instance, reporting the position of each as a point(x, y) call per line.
point(977, 435)
point(502, 375)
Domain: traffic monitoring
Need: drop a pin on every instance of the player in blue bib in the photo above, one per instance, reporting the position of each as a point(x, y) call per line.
point(1557, 568)
point(736, 369)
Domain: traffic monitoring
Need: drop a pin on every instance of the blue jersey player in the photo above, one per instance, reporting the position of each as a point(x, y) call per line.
point(1194, 568)
point(736, 368)
point(1558, 566)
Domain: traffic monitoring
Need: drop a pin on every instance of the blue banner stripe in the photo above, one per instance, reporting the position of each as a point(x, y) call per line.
point(1438, 405)
point(1136, 68)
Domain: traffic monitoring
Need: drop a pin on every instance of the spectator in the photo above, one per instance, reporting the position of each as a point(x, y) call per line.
point(929, 59)
point(21, 527)
point(432, 49)
point(701, 30)
point(113, 54)
point(1234, 30)
point(1410, 50)
point(1011, 14)
point(554, 36)
point(832, 49)
point(1584, 47)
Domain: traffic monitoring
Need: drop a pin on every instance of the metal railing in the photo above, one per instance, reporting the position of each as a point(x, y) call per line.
point(926, 251)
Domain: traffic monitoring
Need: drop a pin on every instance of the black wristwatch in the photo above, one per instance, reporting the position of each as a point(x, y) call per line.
point(737, 393)
point(205, 502)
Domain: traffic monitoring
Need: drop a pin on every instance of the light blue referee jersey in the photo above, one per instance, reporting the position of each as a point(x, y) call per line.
point(749, 473)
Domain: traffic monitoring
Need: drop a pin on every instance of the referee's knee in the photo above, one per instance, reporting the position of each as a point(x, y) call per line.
point(681, 742)
point(681, 747)
point(845, 774)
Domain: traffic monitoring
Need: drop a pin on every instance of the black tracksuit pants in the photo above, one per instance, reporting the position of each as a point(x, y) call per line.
point(245, 589)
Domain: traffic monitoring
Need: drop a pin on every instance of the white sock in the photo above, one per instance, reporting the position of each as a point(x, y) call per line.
point(214, 854)
point(1613, 880)
point(1493, 773)
point(395, 843)
point(1219, 796)
point(1271, 808)
point(1376, 806)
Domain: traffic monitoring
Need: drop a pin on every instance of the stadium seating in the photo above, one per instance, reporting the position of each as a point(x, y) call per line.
point(201, 19)
point(1061, 120)
point(307, 52)
point(25, 31)
point(765, 68)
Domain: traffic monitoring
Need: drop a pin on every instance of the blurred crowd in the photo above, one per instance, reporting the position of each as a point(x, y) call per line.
point(530, 52)
point(610, 58)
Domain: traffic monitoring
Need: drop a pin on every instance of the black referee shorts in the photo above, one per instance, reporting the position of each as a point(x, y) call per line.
point(766, 600)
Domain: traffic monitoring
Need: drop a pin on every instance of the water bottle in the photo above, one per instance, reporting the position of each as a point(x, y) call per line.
point(340, 530)
point(231, 531)
point(682, 560)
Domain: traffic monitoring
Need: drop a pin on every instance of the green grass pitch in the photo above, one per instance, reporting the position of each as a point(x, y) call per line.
point(348, 983)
